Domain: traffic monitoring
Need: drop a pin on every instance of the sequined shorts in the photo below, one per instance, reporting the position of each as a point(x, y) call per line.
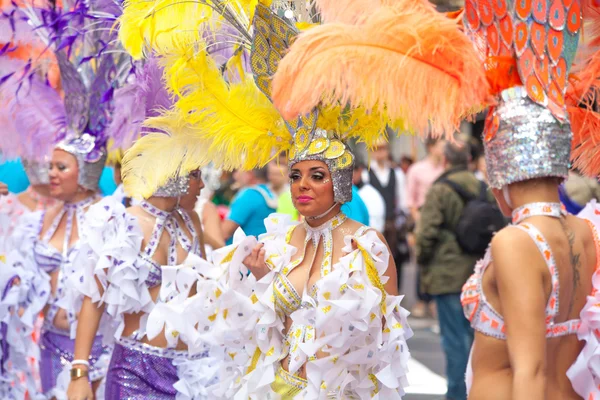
point(57, 349)
point(288, 385)
point(140, 371)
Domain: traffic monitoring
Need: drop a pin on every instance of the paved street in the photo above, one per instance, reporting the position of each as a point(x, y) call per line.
point(426, 376)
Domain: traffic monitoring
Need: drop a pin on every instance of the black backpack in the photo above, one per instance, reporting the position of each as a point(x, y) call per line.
point(479, 220)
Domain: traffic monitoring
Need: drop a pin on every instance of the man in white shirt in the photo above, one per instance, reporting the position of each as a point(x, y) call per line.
point(371, 197)
point(390, 182)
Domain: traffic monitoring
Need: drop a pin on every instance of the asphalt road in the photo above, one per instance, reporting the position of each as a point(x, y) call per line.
point(426, 369)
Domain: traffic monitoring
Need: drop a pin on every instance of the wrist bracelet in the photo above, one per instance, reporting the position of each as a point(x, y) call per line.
point(80, 362)
point(77, 373)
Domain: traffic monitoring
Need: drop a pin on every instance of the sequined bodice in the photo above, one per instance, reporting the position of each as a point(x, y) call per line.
point(166, 221)
point(483, 317)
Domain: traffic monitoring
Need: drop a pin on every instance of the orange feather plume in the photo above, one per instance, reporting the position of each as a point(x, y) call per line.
point(583, 95)
point(409, 65)
point(586, 140)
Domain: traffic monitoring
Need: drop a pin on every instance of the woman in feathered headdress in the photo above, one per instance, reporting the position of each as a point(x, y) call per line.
point(138, 258)
point(318, 313)
point(31, 113)
point(90, 66)
point(527, 299)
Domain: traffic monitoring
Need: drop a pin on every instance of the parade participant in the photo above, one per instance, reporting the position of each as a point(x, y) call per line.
point(136, 259)
point(524, 317)
point(32, 116)
point(526, 51)
point(159, 238)
point(50, 239)
point(275, 346)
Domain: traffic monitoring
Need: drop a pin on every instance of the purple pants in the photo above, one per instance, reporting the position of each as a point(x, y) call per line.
point(57, 349)
point(138, 371)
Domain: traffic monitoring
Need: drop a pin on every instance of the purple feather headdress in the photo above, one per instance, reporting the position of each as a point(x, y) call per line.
point(32, 115)
point(143, 97)
point(92, 66)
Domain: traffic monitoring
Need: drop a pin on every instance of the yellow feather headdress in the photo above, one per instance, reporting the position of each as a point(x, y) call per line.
point(226, 113)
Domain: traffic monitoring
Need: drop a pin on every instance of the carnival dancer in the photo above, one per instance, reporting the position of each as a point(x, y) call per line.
point(527, 298)
point(91, 67)
point(136, 259)
point(30, 132)
point(526, 50)
point(317, 313)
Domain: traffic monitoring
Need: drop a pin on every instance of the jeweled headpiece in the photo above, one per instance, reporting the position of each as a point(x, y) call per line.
point(272, 36)
point(321, 145)
point(523, 141)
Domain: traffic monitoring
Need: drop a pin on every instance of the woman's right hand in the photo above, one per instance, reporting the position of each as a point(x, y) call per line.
point(80, 389)
point(256, 262)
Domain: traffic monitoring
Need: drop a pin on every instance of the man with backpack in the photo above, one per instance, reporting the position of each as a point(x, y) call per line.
point(457, 222)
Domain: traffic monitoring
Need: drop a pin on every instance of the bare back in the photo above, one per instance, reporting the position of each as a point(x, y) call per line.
point(160, 256)
point(516, 258)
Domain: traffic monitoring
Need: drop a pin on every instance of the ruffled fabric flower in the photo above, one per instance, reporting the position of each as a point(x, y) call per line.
point(198, 377)
point(352, 335)
point(585, 372)
point(24, 293)
point(177, 313)
point(107, 268)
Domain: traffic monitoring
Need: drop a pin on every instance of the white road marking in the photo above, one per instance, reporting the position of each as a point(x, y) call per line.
point(424, 381)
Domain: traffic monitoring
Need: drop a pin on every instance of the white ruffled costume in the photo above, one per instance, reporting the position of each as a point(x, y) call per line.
point(346, 315)
point(111, 242)
point(25, 291)
point(585, 372)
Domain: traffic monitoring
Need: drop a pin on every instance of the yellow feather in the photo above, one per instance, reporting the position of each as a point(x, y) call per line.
point(156, 157)
point(358, 123)
point(156, 23)
point(243, 127)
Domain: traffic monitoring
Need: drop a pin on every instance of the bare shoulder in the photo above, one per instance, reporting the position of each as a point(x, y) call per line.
point(136, 211)
point(352, 225)
point(512, 238)
point(512, 248)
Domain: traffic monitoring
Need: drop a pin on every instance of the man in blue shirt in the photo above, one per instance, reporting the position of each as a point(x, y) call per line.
point(356, 208)
point(252, 204)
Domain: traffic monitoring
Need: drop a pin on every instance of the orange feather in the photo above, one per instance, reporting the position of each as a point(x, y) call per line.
point(409, 65)
point(586, 140)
